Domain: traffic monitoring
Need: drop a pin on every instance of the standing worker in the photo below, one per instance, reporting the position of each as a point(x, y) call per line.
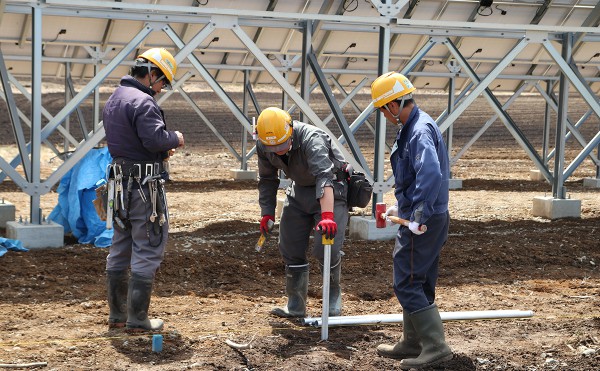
point(139, 143)
point(315, 197)
point(421, 170)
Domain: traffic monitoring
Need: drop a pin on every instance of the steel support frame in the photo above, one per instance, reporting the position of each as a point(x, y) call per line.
point(37, 187)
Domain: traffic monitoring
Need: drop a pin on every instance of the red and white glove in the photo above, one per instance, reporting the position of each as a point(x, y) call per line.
point(327, 225)
point(265, 226)
point(415, 228)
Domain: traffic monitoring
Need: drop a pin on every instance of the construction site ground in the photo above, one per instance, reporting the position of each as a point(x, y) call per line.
point(213, 286)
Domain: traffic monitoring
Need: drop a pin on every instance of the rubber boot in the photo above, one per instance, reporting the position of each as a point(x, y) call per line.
point(335, 290)
point(428, 324)
point(296, 288)
point(116, 288)
point(408, 347)
point(138, 302)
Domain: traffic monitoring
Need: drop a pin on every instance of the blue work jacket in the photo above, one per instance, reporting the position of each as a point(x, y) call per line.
point(421, 168)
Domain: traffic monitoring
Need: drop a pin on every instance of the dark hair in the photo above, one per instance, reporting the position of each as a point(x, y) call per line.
point(140, 70)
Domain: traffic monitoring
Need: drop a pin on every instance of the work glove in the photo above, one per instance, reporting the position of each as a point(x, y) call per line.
point(327, 225)
point(415, 228)
point(391, 211)
point(266, 223)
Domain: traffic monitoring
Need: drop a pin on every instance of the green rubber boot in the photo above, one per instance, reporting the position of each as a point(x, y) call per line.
point(408, 347)
point(296, 288)
point(116, 288)
point(428, 324)
point(138, 302)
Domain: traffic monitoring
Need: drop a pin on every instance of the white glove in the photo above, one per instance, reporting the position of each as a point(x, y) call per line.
point(392, 211)
point(414, 228)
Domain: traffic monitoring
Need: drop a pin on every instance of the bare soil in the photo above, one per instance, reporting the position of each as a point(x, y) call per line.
point(214, 286)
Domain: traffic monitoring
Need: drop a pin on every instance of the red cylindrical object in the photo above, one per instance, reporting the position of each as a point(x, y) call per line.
point(380, 208)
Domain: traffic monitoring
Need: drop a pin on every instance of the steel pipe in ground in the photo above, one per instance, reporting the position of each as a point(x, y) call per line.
point(374, 319)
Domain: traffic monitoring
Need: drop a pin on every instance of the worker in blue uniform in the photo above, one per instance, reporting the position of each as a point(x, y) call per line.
point(420, 164)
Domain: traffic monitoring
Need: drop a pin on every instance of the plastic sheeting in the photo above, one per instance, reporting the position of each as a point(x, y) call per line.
point(76, 191)
point(13, 245)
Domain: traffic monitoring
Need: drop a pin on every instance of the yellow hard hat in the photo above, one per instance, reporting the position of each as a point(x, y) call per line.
point(163, 60)
point(388, 87)
point(274, 129)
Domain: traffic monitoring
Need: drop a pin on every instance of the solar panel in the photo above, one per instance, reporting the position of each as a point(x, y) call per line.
point(94, 42)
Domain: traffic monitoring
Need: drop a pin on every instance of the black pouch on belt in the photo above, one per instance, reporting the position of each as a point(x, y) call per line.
point(360, 190)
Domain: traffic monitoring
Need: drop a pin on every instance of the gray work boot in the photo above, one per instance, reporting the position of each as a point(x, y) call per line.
point(296, 288)
point(408, 347)
point(116, 288)
point(138, 302)
point(335, 291)
point(428, 324)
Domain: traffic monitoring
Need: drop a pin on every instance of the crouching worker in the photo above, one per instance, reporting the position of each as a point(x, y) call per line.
point(316, 201)
point(421, 170)
point(139, 142)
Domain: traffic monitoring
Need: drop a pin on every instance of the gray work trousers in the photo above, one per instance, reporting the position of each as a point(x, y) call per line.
point(300, 214)
point(139, 246)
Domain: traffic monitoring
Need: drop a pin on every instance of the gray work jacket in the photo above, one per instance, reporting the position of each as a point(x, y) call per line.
point(313, 161)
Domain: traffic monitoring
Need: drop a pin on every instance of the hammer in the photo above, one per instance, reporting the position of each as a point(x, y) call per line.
point(380, 208)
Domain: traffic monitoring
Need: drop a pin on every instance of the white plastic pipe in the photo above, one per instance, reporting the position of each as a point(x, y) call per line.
point(397, 318)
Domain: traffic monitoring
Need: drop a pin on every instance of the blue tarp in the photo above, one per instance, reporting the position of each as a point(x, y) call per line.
point(76, 191)
point(14, 245)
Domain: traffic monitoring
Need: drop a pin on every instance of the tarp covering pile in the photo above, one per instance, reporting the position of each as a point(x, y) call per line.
point(76, 191)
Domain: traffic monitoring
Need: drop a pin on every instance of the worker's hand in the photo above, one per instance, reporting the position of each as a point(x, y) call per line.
point(327, 225)
point(391, 211)
point(180, 137)
point(415, 228)
point(265, 226)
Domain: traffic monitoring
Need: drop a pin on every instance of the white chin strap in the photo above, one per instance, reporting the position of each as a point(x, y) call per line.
point(397, 117)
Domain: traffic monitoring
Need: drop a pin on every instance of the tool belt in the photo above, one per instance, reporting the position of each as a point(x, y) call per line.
point(123, 175)
point(141, 169)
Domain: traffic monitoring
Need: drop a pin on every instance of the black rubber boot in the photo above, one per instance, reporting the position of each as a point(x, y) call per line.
point(408, 347)
point(296, 288)
point(116, 288)
point(335, 290)
point(138, 302)
point(430, 330)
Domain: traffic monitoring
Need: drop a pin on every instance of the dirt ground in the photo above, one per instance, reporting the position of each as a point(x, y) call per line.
point(213, 286)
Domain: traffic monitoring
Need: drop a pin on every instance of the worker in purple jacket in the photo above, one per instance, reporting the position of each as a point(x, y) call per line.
point(140, 144)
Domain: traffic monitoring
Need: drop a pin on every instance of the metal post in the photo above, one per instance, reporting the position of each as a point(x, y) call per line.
point(36, 113)
point(546, 134)
point(244, 163)
point(67, 99)
point(305, 71)
point(380, 123)
point(450, 131)
point(326, 280)
point(558, 187)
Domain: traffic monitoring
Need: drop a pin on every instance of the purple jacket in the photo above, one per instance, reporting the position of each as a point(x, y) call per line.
point(134, 124)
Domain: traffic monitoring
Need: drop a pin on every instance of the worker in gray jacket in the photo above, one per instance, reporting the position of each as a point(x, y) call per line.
point(316, 200)
point(139, 142)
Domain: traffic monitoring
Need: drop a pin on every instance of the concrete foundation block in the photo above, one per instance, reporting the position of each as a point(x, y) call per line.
point(364, 228)
point(7, 213)
point(238, 174)
point(587, 182)
point(536, 175)
point(36, 236)
point(554, 208)
point(455, 184)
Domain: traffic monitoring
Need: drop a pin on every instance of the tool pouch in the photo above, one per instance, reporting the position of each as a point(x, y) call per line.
point(360, 190)
point(100, 203)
